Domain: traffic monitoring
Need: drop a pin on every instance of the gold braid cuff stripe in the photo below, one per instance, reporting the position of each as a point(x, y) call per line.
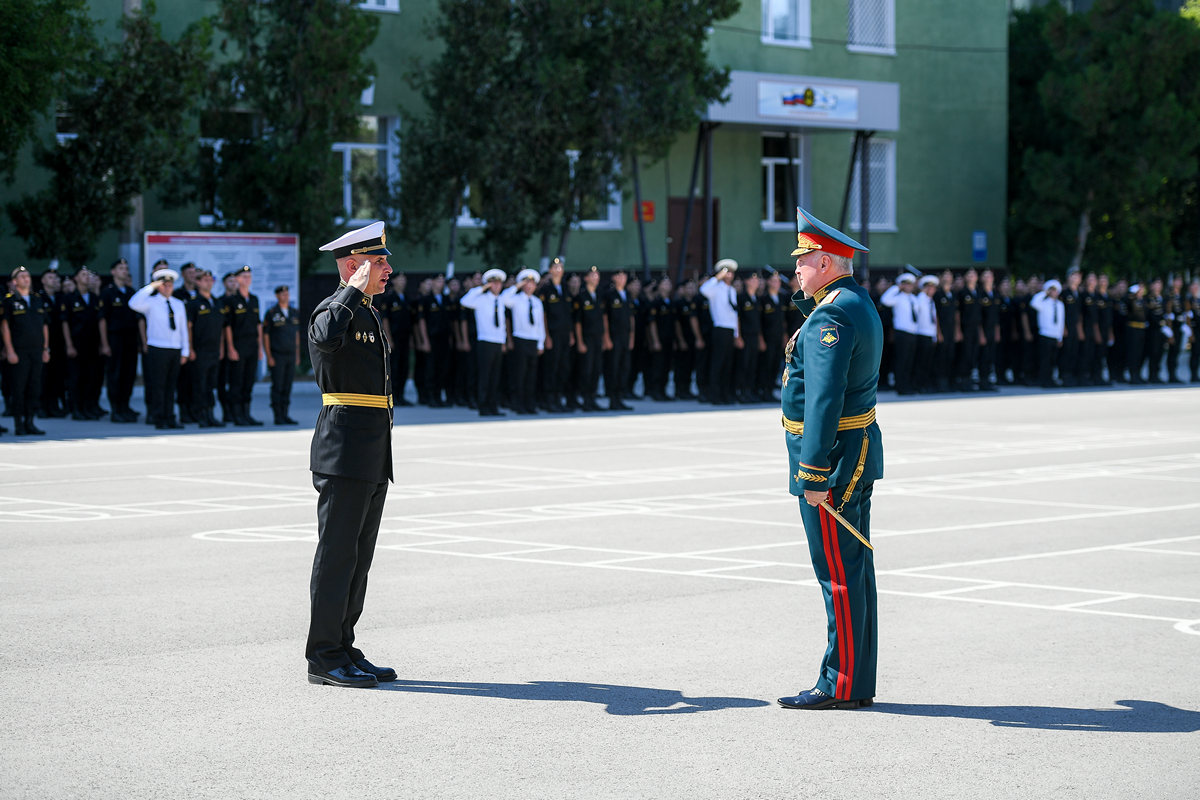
point(809, 476)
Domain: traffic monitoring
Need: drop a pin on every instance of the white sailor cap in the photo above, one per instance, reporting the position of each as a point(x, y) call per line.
point(364, 241)
point(165, 274)
point(725, 265)
point(928, 280)
point(528, 275)
point(1051, 284)
point(494, 275)
point(1134, 289)
point(906, 277)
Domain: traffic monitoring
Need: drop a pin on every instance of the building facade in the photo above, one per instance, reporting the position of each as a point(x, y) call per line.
point(927, 80)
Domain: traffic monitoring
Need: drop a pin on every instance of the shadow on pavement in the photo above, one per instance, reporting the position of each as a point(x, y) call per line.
point(1136, 716)
point(620, 700)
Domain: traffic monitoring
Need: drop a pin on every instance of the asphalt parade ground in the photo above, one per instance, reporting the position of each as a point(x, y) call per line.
point(593, 607)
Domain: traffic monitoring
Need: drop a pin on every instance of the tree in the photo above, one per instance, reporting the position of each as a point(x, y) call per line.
point(43, 42)
point(1104, 130)
point(130, 110)
point(297, 67)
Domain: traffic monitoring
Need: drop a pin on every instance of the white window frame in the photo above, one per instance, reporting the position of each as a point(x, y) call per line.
point(611, 222)
point(799, 162)
point(886, 49)
point(383, 6)
point(887, 225)
point(803, 26)
point(390, 151)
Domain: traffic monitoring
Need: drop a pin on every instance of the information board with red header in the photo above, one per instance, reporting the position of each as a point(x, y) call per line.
point(274, 258)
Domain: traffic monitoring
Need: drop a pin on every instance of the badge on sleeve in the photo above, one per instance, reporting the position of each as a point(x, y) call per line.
point(829, 335)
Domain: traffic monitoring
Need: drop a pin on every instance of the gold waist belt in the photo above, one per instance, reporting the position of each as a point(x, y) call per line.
point(1138, 325)
point(364, 400)
point(844, 424)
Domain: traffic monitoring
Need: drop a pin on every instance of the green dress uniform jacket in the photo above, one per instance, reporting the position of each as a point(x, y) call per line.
point(829, 389)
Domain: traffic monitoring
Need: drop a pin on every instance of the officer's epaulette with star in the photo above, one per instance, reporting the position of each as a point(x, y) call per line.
point(829, 297)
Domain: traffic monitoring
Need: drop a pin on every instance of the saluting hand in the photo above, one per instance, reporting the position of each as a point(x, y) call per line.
point(361, 277)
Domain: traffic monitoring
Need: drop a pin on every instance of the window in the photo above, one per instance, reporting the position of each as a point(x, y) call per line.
point(594, 215)
point(367, 165)
point(380, 5)
point(881, 166)
point(786, 22)
point(782, 191)
point(871, 27)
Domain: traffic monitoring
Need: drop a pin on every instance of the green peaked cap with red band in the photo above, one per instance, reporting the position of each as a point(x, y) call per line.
point(812, 234)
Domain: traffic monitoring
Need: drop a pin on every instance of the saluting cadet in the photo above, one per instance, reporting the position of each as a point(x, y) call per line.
point(120, 341)
point(399, 313)
point(81, 334)
point(527, 341)
point(948, 332)
point(243, 347)
point(927, 334)
point(989, 306)
point(902, 301)
point(970, 330)
point(555, 368)
point(54, 372)
point(660, 329)
point(168, 345)
point(281, 343)
point(206, 345)
point(1051, 325)
point(774, 335)
point(754, 345)
point(618, 341)
point(26, 340)
point(491, 341)
point(589, 338)
point(723, 307)
point(351, 456)
point(835, 455)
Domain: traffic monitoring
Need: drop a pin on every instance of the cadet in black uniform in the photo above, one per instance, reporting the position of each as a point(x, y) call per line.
point(641, 298)
point(970, 327)
point(54, 372)
point(751, 330)
point(206, 332)
point(1089, 318)
point(399, 315)
point(185, 292)
point(1176, 307)
point(26, 340)
point(703, 329)
point(1069, 354)
point(1156, 342)
point(989, 304)
point(589, 338)
point(120, 341)
point(773, 324)
point(243, 347)
point(1136, 323)
point(81, 333)
point(554, 369)
point(437, 320)
point(687, 333)
point(1104, 319)
point(281, 343)
point(660, 329)
point(351, 456)
point(1008, 345)
point(618, 340)
point(229, 289)
point(887, 360)
point(943, 351)
point(1118, 354)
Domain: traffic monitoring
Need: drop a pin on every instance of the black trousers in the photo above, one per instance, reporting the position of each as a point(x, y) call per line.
point(54, 377)
point(121, 367)
point(720, 366)
point(555, 367)
point(162, 375)
point(24, 384)
point(400, 355)
point(590, 365)
point(616, 371)
point(348, 514)
point(660, 370)
point(85, 374)
point(1047, 356)
point(1156, 346)
point(437, 368)
point(1173, 351)
point(1118, 357)
point(943, 361)
point(283, 374)
point(922, 372)
point(770, 364)
point(1135, 353)
point(1194, 358)
point(968, 355)
point(904, 359)
point(685, 368)
point(703, 364)
point(746, 369)
point(488, 360)
point(243, 373)
point(205, 371)
point(987, 360)
point(223, 382)
point(1090, 361)
point(522, 376)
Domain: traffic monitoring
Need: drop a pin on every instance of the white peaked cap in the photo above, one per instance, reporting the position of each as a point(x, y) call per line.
point(364, 241)
point(928, 280)
point(1051, 284)
point(906, 277)
point(528, 275)
point(165, 275)
point(494, 275)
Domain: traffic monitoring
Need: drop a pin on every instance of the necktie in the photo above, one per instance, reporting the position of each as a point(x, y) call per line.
point(531, 322)
point(1056, 313)
point(496, 314)
point(913, 305)
point(170, 313)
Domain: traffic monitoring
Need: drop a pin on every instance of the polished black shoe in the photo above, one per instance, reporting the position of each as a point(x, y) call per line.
point(31, 429)
point(815, 699)
point(173, 424)
point(289, 421)
point(382, 674)
point(348, 676)
point(618, 406)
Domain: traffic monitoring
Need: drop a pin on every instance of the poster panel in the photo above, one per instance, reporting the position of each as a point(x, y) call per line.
point(273, 257)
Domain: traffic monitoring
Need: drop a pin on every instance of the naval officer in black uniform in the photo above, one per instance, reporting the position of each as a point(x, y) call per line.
point(351, 455)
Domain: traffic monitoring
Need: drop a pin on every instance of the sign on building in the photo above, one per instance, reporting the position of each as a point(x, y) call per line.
point(274, 258)
point(807, 101)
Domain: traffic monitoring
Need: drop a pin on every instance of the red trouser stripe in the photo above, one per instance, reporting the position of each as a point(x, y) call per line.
point(841, 605)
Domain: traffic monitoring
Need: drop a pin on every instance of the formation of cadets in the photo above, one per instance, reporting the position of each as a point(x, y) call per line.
point(543, 342)
point(69, 338)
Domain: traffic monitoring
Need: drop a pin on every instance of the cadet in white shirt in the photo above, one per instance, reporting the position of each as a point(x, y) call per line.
point(901, 300)
point(527, 342)
point(927, 333)
point(722, 306)
point(491, 336)
point(1051, 322)
point(167, 345)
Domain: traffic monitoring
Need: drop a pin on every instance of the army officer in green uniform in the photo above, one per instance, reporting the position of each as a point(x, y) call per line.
point(835, 454)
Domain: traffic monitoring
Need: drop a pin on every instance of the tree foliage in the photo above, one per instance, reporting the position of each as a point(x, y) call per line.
point(534, 105)
point(1104, 136)
point(298, 68)
point(130, 107)
point(44, 43)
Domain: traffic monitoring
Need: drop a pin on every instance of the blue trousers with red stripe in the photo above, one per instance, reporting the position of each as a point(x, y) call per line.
point(846, 571)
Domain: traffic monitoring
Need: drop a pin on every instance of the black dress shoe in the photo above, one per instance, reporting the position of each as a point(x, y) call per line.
point(382, 674)
point(614, 405)
point(348, 676)
point(815, 699)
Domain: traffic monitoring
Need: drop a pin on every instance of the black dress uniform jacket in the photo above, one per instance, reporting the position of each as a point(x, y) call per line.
point(350, 356)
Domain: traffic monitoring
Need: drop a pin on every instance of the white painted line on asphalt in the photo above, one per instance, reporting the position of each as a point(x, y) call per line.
point(1048, 554)
point(1114, 598)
